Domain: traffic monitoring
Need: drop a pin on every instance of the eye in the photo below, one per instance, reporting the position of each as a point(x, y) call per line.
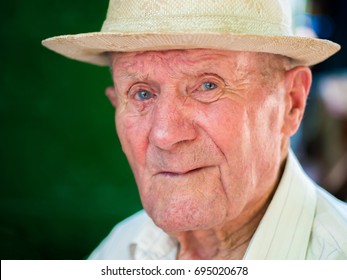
point(208, 86)
point(143, 95)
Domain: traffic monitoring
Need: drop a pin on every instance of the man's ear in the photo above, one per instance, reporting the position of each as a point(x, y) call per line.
point(112, 96)
point(297, 85)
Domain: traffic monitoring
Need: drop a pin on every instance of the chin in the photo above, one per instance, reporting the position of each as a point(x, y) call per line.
point(181, 219)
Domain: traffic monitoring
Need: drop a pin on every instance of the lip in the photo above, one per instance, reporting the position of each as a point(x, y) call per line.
point(176, 173)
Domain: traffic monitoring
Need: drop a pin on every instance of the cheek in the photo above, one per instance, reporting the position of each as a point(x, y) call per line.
point(133, 138)
point(265, 140)
point(268, 122)
point(248, 136)
point(226, 124)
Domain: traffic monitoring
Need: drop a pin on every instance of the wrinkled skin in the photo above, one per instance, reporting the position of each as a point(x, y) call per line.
point(206, 134)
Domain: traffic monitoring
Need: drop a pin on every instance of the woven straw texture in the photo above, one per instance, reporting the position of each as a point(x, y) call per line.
point(141, 25)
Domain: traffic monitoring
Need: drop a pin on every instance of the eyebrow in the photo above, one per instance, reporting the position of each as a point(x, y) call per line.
point(240, 75)
point(202, 64)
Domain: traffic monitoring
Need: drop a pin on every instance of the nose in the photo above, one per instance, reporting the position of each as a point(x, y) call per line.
point(172, 123)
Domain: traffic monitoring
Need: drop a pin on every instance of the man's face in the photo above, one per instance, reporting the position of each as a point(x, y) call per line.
point(202, 130)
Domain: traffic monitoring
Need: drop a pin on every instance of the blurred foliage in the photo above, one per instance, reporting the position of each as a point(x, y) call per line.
point(64, 179)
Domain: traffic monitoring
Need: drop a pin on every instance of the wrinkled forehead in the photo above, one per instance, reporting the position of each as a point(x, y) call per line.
point(178, 57)
point(133, 63)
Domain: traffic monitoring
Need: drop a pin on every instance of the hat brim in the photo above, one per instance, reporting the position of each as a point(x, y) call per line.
point(94, 47)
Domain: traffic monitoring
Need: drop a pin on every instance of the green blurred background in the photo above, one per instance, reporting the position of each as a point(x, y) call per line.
point(64, 179)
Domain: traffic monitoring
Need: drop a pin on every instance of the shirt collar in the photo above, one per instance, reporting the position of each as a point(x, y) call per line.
point(152, 243)
point(285, 229)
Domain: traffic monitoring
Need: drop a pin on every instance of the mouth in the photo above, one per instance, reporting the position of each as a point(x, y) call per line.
point(176, 174)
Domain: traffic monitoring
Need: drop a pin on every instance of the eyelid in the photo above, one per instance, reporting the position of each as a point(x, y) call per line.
point(207, 96)
point(209, 78)
point(136, 87)
point(140, 105)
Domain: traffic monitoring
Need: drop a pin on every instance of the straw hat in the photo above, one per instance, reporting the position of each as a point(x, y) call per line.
point(242, 25)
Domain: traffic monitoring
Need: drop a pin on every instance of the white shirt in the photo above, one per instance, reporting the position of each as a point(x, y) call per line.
point(303, 221)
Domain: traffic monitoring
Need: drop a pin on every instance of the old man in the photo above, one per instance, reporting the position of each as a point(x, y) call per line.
point(207, 95)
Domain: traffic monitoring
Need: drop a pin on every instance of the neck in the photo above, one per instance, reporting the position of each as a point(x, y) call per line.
point(229, 242)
